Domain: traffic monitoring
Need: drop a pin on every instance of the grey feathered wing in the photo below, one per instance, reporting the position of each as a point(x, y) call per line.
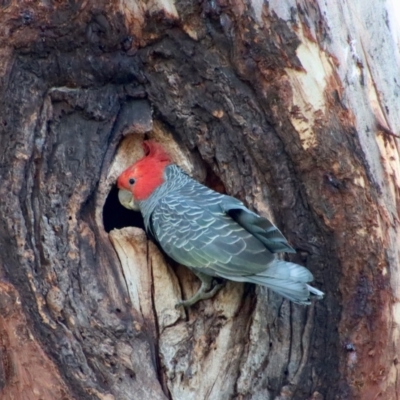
point(263, 229)
point(219, 236)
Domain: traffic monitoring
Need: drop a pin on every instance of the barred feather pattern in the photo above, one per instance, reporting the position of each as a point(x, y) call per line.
point(217, 235)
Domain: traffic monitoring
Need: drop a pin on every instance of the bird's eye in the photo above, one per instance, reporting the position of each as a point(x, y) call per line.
point(131, 181)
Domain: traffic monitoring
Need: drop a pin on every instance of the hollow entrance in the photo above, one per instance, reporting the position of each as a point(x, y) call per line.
point(116, 216)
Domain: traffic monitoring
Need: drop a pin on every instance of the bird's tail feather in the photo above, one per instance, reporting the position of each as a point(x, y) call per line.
point(294, 291)
point(287, 279)
point(286, 270)
point(315, 292)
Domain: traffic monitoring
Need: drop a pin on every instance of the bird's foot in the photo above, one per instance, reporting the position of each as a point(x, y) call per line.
point(203, 293)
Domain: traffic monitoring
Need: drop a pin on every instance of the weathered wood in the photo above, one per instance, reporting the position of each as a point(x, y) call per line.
point(287, 106)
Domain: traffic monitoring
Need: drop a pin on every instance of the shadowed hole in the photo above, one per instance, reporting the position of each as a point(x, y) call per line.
point(115, 216)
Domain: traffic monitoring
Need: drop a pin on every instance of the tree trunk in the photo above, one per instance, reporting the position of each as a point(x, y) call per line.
point(291, 107)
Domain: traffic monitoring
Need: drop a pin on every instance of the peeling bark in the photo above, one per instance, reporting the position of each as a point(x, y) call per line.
point(285, 105)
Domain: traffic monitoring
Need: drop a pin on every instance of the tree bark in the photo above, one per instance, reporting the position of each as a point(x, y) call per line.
point(291, 107)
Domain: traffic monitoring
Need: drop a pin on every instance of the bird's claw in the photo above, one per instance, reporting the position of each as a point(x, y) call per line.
point(202, 294)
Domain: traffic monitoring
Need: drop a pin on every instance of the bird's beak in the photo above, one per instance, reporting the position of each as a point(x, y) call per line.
point(126, 199)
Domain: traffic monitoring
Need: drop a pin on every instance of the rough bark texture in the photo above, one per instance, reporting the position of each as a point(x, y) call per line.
point(282, 104)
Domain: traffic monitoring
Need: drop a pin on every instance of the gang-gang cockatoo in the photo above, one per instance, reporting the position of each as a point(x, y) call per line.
point(213, 234)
